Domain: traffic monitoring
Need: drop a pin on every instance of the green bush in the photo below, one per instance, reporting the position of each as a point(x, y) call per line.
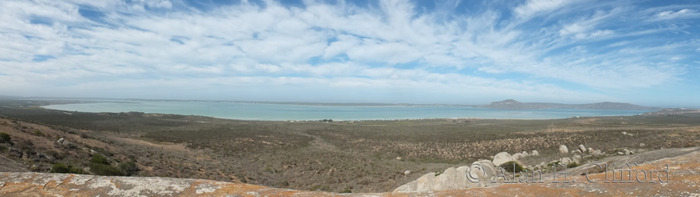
point(75, 170)
point(105, 169)
point(59, 168)
point(129, 168)
point(100, 166)
point(4, 137)
point(63, 168)
point(512, 166)
point(99, 159)
point(572, 165)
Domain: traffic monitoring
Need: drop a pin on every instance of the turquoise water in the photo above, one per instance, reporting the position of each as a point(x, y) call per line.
point(266, 111)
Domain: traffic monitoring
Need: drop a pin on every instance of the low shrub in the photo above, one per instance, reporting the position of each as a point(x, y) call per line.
point(572, 165)
point(129, 168)
point(4, 137)
point(99, 159)
point(105, 169)
point(512, 166)
point(63, 168)
point(100, 166)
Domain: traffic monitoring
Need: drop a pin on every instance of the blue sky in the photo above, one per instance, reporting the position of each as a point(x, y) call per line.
point(394, 51)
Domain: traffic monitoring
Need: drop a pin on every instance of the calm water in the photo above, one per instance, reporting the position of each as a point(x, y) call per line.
point(257, 111)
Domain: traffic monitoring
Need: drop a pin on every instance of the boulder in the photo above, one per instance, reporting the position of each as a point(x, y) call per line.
point(517, 156)
point(597, 152)
point(590, 150)
point(576, 158)
point(565, 161)
point(463, 169)
point(425, 182)
point(407, 172)
point(480, 174)
point(582, 148)
point(484, 170)
point(449, 180)
point(563, 149)
point(535, 153)
point(461, 178)
point(14, 152)
point(408, 187)
point(502, 158)
point(64, 142)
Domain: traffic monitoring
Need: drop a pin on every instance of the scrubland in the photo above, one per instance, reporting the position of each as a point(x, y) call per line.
point(339, 156)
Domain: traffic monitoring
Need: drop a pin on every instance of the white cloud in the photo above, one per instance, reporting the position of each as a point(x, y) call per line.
point(669, 14)
point(343, 45)
point(391, 52)
point(573, 29)
point(596, 34)
point(600, 33)
point(534, 7)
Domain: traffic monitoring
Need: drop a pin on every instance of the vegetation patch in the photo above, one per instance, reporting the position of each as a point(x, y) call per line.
point(129, 168)
point(330, 155)
point(100, 166)
point(63, 168)
point(5, 138)
point(572, 165)
point(512, 166)
point(39, 133)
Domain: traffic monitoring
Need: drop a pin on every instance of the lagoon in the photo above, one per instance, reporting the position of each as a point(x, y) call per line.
point(278, 111)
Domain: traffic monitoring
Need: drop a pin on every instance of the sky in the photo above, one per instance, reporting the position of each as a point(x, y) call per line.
point(393, 51)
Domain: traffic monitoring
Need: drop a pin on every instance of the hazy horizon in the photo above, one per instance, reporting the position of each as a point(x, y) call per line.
point(308, 102)
point(355, 51)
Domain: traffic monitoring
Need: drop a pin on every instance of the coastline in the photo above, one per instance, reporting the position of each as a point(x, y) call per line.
point(506, 114)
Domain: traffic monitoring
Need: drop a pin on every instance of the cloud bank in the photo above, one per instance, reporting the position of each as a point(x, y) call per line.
point(345, 51)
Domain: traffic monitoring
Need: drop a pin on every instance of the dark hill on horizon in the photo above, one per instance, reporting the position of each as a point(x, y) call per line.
point(513, 104)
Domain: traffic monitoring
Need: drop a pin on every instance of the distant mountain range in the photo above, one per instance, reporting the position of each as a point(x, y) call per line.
point(513, 104)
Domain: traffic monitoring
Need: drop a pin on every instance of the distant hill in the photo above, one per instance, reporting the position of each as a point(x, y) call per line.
point(513, 104)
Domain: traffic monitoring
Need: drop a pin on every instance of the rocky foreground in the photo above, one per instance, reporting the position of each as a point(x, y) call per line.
point(683, 180)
